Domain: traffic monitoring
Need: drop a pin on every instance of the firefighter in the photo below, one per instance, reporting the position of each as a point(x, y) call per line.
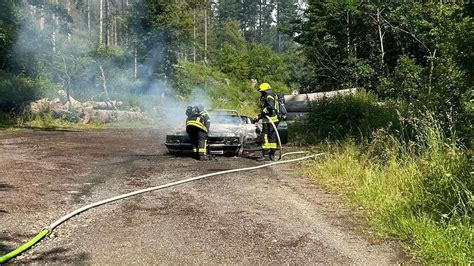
point(197, 127)
point(268, 108)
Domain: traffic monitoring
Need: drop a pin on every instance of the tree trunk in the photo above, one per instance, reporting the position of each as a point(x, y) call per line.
point(68, 81)
point(194, 35)
point(107, 23)
point(88, 16)
point(68, 7)
point(379, 27)
point(205, 34)
point(115, 32)
point(260, 21)
point(278, 24)
point(68, 10)
point(101, 21)
point(42, 19)
point(430, 80)
point(53, 40)
point(32, 10)
point(104, 85)
point(348, 33)
point(135, 61)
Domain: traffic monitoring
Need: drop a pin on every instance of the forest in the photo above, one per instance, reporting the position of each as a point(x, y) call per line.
point(401, 148)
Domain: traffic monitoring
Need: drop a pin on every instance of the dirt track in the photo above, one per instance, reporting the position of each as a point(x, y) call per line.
point(261, 217)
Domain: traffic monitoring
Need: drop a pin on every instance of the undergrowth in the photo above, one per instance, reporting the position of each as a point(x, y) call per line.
point(222, 90)
point(47, 121)
point(418, 191)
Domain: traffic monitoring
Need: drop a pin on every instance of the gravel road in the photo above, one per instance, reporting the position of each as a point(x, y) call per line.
point(268, 216)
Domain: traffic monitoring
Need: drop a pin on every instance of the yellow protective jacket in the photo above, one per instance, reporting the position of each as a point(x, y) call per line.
point(201, 121)
point(268, 106)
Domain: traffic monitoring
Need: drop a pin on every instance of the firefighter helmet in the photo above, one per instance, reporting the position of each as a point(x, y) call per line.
point(264, 86)
point(189, 111)
point(196, 110)
point(200, 107)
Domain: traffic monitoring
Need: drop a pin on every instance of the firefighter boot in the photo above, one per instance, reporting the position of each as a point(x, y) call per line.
point(265, 156)
point(271, 155)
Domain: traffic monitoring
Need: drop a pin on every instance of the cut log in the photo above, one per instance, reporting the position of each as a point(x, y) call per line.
point(302, 102)
point(107, 116)
point(105, 105)
point(76, 111)
point(124, 115)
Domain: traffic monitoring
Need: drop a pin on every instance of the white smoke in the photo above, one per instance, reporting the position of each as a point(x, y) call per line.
point(64, 52)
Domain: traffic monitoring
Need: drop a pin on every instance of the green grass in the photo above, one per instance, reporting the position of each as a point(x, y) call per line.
point(420, 193)
point(48, 122)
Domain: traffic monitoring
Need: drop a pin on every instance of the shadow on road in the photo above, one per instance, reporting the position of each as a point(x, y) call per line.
point(15, 239)
point(59, 254)
point(5, 187)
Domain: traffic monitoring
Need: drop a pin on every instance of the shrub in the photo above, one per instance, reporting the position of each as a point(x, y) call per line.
point(208, 84)
point(349, 116)
point(6, 120)
point(16, 91)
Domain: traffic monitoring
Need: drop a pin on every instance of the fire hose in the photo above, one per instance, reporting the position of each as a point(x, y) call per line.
point(61, 220)
point(278, 137)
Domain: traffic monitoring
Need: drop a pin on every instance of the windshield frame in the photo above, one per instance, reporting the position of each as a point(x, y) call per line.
point(231, 117)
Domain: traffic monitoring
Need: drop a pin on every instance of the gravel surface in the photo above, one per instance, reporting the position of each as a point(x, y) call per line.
point(267, 216)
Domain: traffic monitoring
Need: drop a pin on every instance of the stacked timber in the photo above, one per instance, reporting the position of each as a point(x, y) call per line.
point(83, 112)
point(298, 106)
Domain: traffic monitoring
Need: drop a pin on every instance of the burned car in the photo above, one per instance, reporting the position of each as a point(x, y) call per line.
point(229, 134)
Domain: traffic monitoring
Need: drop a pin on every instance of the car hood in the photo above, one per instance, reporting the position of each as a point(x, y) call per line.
point(221, 130)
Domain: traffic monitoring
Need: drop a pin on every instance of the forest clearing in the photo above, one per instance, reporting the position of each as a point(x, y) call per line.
point(371, 104)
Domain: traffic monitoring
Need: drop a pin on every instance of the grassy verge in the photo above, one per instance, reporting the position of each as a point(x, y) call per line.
point(418, 191)
point(47, 122)
point(395, 195)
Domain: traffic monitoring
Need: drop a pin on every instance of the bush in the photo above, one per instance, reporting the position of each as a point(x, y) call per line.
point(233, 62)
point(349, 116)
point(15, 92)
point(220, 90)
point(6, 120)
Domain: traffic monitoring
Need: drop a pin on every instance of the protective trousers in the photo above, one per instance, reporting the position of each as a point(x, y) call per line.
point(269, 139)
point(198, 141)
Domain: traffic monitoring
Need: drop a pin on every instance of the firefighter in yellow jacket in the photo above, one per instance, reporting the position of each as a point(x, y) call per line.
point(268, 108)
point(197, 127)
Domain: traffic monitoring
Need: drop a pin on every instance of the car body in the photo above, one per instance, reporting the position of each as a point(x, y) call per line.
point(230, 133)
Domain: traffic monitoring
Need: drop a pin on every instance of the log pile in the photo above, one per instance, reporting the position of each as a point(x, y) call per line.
point(82, 112)
point(298, 106)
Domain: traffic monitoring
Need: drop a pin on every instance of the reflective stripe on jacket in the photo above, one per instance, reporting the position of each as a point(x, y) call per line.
point(200, 121)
